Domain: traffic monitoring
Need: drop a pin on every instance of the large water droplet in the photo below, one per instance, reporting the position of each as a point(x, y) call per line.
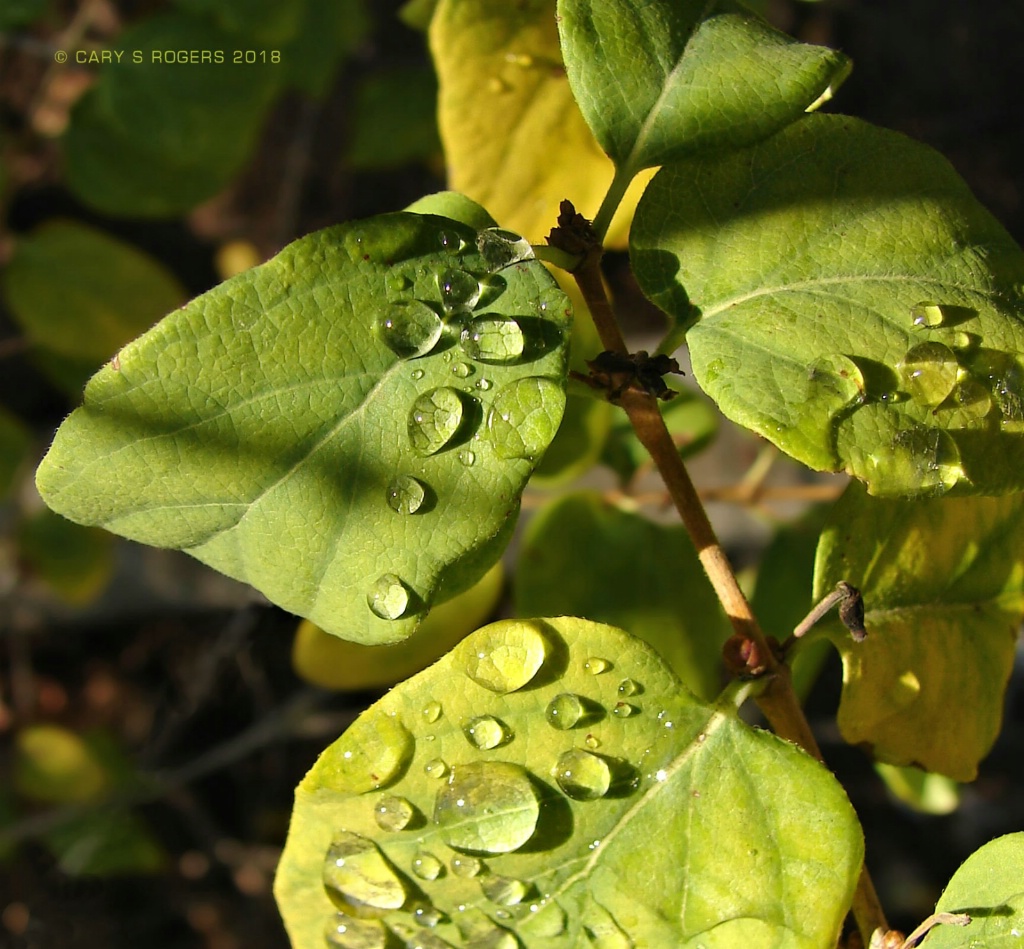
point(393, 813)
point(465, 865)
point(410, 329)
point(525, 416)
point(567, 710)
point(920, 461)
point(406, 495)
point(357, 874)
point(582, 775)
point(486, 732)
point(505, 891)
point(345, 932)
point(929, 372)
point(838, 378)
point(435, 419)
point(493, 339)
point(969, 402)
point(371, 754)
point(927, 315)
point(426, 866)
point(504, 656)
point(500, 248)
point(1005, 377)
point(458, 289)
point(432, 711)
point(388, 598)
point(487, 807)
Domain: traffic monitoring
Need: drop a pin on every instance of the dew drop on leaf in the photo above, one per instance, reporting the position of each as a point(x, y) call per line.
point(486, 732)
point(393, 813)
point(465, 865)
point(388, 598)
point(450, 242)
point(1005, 377)
point(417, 374)
point(346, 932)
point(426, 866)
point(405, 495)
point(458, 289)
point(927, 315)
point(468, 458)
point(435, 418)
point(396, 283)
point(462, 370)
point(357, 874)
point(630, 687)
point(920, 461)
point(929, 372)
point(428, 915)
point(435, 768)
point(592, 742)
point(372, 753)
point(624, 710)
point(484, 384)
point(410, 329)
point(838, 376)
point(504, 656)
point(505, 891)
point(565, 710)
point(582, 775)
point(493, 339)
point(525, 416)
point(432, 711)
point(595, 665)
point(500, 248)
point(487, 807)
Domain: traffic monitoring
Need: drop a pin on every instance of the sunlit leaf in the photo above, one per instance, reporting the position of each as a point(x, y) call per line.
point(924, 792)
point(506, 789)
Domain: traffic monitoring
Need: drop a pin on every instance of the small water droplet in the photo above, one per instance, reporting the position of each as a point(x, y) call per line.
point(929, 372)
point(428, 915)
point(426, 866)
point(493, 339)
point(463, 370)
point(451, 242)
point(458, 289)
point(464, 865)
point(486, 732)
point(432, 711)
point(592, 742)
point(417, 374)
point(357, 874)
point(487, 807)
point(565, 711)
point(624, 710)
point(630, 687)
point(388, 598)
point(595, 666)
point(410, 329)
point(505, 891)
point(435, 419)
point(435, 768)
point(468, 458)
point(504, 656)
point(500, 248)
point(393, 813)
point(484, 384)
point(582, 775)
point(405, 495)
point(345, 932)
point(927, 315)
point(525, 416)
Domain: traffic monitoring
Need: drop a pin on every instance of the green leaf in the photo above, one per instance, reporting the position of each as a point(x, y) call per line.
point(943, 587)
point(921, 790)
point(847, 298)
point(666, 78)
point(105, 843)
point(333, 427)
point(15, 443)
point(55, 765)
point(454, 205)
point(579, 441)
point(989, 887)
point(582, 556)
point(76, 563)
point(499, 791)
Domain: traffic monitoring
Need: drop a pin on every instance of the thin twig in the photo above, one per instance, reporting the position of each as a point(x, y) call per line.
point(936, 919)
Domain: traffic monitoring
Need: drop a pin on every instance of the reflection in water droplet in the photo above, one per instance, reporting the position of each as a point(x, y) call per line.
point(493, 339)
point(504, 891)
point(624, 710)
point(426, 866)
point(468, 458)
point(345, 932)
point(357, 874)
point(371, 754)
point(458, 289)
point(596, 666)
point(435, 419)
point(838, 378)
point(464, 865)
point(435, 768)
point(929, 372)
point(487, 807)
point(630, 687)
point(500, 248)
point(410, 329)
point(463, 370)
point(486, 732)
point(388, 598)
point(582, 775)
point(525, 416)
point(565, 711)
point(504, 656)
point(405, 495)
point(393, 813)
point(927, 315)
point(450, 242)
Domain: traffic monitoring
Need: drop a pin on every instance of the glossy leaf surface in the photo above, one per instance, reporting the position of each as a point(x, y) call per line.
point(943, 587)
point(500, 791)
point(844, 295)
point(338, 427)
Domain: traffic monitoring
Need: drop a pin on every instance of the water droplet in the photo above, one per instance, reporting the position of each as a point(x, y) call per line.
point(486, 732)
point(630, 687)
point(435, 419)
point(405, 495)
point(504, 656)
point(388, 597)
point(592, 742)
point(396, 283)
point(435, 768)
point(372, 753)
point(1005, 377)
point(410, 329)
point(393, 813)
point(427, 915)
point(624, 710)
point(468, 458)
point(493, 339)
point(582, 775)
point(525, 416)
point(432, 711)
point(345, 932)
point(504, 891)
point(463, 370)
point(550, 920)
point(417, 374)
point(500, 248)
point(837, 378)
point(927, 315)
point(487, 807)
point(464, 865)
point(596, 666)
point(426, 866)
point(929, 372)
point(451, 242)
point(458, 289)
point(920, 461)
point(357, 874)
point(566, 710)
point(969, 402)
point(484, 384)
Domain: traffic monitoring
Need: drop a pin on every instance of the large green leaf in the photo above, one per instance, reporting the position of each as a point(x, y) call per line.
point(847, 298)
point(552, 778)
point(943, 587)
point(583, 556)
point(665, 78)
point(347, 427)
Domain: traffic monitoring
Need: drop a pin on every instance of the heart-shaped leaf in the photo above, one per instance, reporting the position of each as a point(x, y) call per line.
point(347, 427)
point(843, 294)
point(943, 587)
point(553, 779)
